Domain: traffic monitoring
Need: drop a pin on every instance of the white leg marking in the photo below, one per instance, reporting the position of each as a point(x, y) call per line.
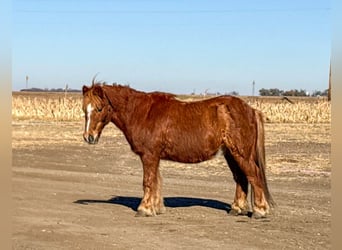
point(89, 110)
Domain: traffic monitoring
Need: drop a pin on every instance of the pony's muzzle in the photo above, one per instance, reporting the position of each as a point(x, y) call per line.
point(91, 139)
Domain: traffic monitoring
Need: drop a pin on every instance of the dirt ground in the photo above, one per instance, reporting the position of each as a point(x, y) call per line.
point(71, 195)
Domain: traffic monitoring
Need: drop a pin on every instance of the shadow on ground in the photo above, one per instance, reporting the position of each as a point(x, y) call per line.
point(174, 202)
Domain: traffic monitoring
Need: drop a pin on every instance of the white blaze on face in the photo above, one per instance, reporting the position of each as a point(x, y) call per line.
point(89, 110)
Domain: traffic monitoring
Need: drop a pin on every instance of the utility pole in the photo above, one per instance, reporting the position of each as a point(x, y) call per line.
point(253, 87)
point(27, 78)
point(65, 90)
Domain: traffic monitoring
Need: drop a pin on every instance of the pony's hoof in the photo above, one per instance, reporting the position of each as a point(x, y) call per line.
point(235, 212)
point(161, 210)
point(257, 215)
point(144, 213)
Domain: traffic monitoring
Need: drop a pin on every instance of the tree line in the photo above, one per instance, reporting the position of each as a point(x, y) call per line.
point(292, 92)
point(50, 90)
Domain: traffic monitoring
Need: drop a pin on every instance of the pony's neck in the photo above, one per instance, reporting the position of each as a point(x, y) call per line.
point(119, 98)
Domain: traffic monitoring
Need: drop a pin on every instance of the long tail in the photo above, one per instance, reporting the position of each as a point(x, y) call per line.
point(260, 151)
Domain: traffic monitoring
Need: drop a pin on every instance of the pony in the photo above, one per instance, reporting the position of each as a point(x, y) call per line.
point(158, 126)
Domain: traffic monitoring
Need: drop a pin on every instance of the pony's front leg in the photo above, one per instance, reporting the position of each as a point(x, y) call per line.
point(152, 203)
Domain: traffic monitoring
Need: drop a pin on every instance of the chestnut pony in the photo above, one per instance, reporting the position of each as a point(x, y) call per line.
point(159, 127)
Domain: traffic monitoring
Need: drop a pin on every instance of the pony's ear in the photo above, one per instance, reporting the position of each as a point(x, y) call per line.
point(85, 89)
point(98, 91)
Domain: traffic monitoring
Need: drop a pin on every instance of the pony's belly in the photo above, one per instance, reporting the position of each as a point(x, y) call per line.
point(191, 146)
point(191, 154)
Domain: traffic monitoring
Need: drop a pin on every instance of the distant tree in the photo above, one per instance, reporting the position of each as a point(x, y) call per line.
point(33, 90)
point(270, 92)
point(263, 92)
point(320, 93)
point(289, 93)
point(316, 93)
point(295, 92)
point(233, 93)
point(292, 92)
point(50, 90)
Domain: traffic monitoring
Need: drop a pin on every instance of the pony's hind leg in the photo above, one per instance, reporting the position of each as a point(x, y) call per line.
point(244, 143)
point(260, 203)
point(240, 204)
point(152, 202)
point(247, 171)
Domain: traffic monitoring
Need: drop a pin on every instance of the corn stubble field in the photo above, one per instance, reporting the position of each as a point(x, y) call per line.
point(68, 107)
point(71, 195)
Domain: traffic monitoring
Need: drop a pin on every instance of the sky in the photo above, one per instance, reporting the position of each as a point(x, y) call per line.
point(179, 46)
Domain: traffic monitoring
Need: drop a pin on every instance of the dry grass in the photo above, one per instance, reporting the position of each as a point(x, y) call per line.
point(314, 111)
point(61, 107)
point(48, 106)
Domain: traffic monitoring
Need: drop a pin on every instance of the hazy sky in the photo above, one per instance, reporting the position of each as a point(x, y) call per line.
point(177, 46)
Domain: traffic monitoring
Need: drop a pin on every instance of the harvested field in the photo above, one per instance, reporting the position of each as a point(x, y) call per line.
point(71, 195)
point(68, 107)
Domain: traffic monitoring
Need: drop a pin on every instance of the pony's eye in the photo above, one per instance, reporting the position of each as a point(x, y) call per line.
point(99, 109)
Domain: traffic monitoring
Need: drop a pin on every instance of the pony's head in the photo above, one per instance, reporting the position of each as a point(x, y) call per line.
point(97, 112)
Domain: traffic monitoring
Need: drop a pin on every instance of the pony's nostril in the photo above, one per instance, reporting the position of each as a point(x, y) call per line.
point(91, 139)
